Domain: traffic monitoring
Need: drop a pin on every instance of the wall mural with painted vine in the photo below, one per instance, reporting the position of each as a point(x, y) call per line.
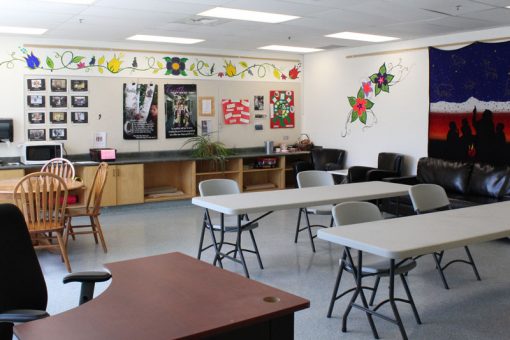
point(361, 110)
point(106, 63)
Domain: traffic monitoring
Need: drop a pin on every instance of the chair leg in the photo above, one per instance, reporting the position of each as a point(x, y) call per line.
point(309, 229)
point(238, 248)
point(93, 227)
point(374, 291)
point(201, 243)
point(70, 230)
point(410, 298)
point(99, 230)
point(472, 262)
point(332, 222)
point(437, 259)
point(63, 251)
point(256, 249)
point(298, 225)
point(335, 289)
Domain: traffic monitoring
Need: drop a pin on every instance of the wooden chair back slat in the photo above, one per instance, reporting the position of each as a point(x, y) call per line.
point(59, 166)
point(96, 192)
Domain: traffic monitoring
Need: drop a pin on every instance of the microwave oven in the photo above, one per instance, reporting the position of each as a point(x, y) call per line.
point(40, 152)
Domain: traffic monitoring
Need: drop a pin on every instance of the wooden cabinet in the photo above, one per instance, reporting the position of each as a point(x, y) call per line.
point(263, 178)
point(165, 181)
point(10, 174)
point(209, 169)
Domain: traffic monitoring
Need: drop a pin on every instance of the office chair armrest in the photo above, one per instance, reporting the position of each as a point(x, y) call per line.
point(358, 173)
point(88, 281)
point(410, 180)
point(22, 315)
point(378, 174)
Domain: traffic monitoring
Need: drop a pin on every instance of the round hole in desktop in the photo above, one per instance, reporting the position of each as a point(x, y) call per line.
point(271, 299)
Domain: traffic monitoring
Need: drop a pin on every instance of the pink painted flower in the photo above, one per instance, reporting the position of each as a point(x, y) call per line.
point(81, 65)
point(367, 87)
point(283, 76)
point(220, 74)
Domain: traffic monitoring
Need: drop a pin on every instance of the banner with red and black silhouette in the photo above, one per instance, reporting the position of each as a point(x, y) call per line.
point(469, 117)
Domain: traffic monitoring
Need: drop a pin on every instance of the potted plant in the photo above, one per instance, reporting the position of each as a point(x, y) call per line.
point(203, 147)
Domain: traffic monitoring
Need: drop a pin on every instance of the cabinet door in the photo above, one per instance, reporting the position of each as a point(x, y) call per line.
point(87, 174)
point(129, 184)
point(10, 174)
point(110, 188)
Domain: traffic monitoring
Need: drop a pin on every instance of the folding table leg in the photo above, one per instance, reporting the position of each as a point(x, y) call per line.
point(392, 300)
point(238, 246)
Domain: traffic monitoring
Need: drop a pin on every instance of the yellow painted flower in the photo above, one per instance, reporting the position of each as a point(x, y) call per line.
point(114, 64)
point(230, 69)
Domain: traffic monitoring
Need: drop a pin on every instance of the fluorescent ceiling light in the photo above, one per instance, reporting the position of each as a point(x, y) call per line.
point(361, 37)
point(290, 48)
point(78, 2)
point(22, 30)
point(157, 38)
point(241, 14)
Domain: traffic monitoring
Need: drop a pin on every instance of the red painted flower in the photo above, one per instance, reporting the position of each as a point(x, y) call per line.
point(294, 72)
point(220, 74)
point(81, 65)
point(360, 106)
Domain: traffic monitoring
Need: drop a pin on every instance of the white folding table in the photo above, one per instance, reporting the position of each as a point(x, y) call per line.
point(268, 201)
point(406, 237)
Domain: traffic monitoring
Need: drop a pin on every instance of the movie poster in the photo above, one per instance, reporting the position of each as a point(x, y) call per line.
point(140, 111)
point(181, 110)
point(469, 118)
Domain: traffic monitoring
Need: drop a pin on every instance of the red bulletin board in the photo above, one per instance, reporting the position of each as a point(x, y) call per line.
point(236, 112)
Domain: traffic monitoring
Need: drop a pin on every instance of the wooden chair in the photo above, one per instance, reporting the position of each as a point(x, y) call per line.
point(59, 166)
point(42, 198)
point(92, 209)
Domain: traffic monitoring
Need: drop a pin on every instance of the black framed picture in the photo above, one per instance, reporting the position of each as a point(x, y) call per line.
point(80, 117)
point(58, 85)
point(58, 117)
point(58, 101)
point(80, 101)
point(36, 134)
point(36, 100)
point(58, 134)
point(36, 117)
point(79, 85)
point(36, 84)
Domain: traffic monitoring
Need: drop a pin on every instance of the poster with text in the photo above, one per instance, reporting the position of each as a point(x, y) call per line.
point(236, 112)
point(181, 110)
point(140, 111)
point(281, 107)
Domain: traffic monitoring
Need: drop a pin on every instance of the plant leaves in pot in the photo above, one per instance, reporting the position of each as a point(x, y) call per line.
point(203, 147)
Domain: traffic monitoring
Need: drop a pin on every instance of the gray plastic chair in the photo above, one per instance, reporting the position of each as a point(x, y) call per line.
point(432, 197)
point(313, 178)
point(213, 187)
point(360, 212)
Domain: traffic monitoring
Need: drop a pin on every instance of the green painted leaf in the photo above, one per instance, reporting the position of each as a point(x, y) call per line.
point(183, 60)
point(212, 69)
point(354, 116)
point(101, 61)
point(192, 67)
point(100, 70)
point(195, 73)
point(155, 71)
point(160, 64)
point(389, 77)
point(242, 75)
point(361, 94)
point(243, 64)
point(373, 78)
point(369, 104)
point(363, 117)
point(382, 69)
point(207, 65)
point(77, 59)
point(168, 72)
point(352, 100)
point(183, 73)
point(385, 88)
point(167, 59)
point(50, 63)
point(377, 90)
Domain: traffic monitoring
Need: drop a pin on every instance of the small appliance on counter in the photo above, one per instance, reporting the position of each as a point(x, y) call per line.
point(40, 152)
point(103, 154)
point(6, 130)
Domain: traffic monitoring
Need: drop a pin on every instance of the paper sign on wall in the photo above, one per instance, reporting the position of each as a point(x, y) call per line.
point(281, 109)
point(236, 112)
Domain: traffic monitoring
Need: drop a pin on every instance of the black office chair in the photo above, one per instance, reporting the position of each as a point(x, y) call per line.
point(388, 165)
point(323, 159)
point(23, 294)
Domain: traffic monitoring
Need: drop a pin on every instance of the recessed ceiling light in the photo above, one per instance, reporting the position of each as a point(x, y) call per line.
point(241, 14)
point(290, 48)
point(157, 38)
point(22, 30)
point(361, 37)
point(78, 2)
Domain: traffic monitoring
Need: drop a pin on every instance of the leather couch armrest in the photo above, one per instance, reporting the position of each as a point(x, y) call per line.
point(379, 175)
point(410, 180)
point(358, 173)
point(333, 166)
point(302, 166)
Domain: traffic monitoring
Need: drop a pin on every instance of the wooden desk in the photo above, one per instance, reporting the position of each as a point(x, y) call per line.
point(7, 187)
point(411, 236)
point(174, 296)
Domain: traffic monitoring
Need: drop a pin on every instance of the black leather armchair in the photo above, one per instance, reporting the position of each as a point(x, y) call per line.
point(23, 294)
point(388, 165)
point(322, 159)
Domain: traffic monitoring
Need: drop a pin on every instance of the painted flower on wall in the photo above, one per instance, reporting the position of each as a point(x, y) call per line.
point(32, 61)
point(176, 66)
point(367, 88)
point(230, 69)
point(114, 64)
point(360, 105)
point(381, 80)
point(294, 72)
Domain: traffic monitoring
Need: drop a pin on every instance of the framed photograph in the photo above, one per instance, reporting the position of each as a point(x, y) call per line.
point(79, 85)
point(36, 84)
point(58, 101)
point(58, 134)
point(58, 85)
point(36, 134)
point(36, 117)
point(59, 117)
point(206, 106)
point(258, 103)
point(80, 117)
point(36, 100)
point(79, 101)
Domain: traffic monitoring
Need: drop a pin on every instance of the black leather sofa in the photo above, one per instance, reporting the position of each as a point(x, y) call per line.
point(466, 184)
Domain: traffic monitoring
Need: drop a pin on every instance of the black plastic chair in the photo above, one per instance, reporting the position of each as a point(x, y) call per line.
point(388, 165)
point(23, 294)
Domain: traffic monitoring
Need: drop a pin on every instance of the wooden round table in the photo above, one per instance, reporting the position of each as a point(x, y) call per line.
point(7, 187)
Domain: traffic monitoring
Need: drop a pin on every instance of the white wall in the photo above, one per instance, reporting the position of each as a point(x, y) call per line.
point(402, 114)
